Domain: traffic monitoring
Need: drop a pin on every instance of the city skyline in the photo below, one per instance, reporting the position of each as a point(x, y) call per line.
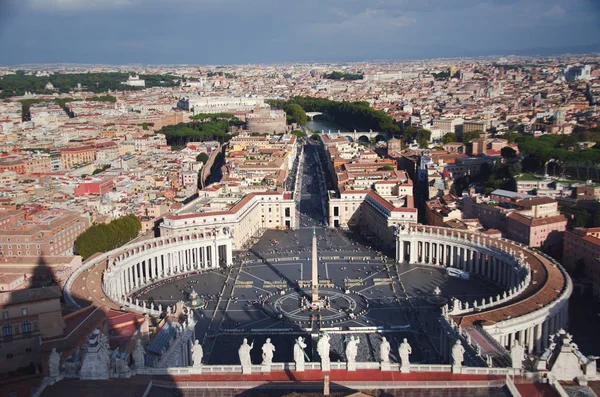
point(236, 32)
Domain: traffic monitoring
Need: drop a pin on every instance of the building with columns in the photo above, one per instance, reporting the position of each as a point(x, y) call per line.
point(244, 215)
point(372, 213)
point(534, 304)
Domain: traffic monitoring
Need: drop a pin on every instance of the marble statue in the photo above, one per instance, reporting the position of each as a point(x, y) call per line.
point(244, 354)
point(458, 354)
point(119, 364)
point(299, 346)
point(404, 351)
point(517, 354)
point(351, 352)
point(54, 363)
point(197, 354)
point(138, 355)
point(564, 360)
point(323, 350)
point(384, 350)
point(267, 352)
point(96, 362)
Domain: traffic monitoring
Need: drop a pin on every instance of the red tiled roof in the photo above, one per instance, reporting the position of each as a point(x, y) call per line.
point(549, 284)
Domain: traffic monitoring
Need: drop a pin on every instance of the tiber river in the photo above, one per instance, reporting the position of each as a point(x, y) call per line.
point(321, 125)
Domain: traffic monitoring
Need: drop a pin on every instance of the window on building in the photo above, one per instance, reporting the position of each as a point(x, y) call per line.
point(28, 350)
point(26, 327)
point(7, 330)
point(5, 315)
point(24, 311)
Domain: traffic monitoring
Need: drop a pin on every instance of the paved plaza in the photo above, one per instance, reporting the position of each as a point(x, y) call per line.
point(240, 300)
point(369, 295)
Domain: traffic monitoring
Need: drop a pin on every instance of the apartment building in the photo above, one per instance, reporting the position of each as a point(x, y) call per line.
point(34, 230)
point(28, 317)
point(534, 221)
point(77, 155)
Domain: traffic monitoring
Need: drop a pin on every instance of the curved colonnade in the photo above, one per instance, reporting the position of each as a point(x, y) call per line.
point(136, 266)
point(534, 304)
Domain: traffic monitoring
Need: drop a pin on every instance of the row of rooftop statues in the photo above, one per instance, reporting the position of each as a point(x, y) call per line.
point(97, 361)
point(323, 349)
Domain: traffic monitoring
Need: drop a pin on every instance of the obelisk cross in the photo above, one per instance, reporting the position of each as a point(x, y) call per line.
point(315, 272)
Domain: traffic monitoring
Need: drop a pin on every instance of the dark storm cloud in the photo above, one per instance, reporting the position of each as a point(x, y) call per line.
point(241, 31)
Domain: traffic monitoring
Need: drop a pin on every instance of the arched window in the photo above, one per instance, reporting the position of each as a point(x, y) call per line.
point(7, 330)
point(26, 327)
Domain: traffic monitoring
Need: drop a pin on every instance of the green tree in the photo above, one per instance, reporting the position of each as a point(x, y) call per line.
point(510, 136)
point(102, 98)
point(342, 76)
point(299, 134)
point(449, 137)
point(101, 169)
point(467, 137)
point(296, 114)
point(508, 153)
point(202, 158)
point(103, 237)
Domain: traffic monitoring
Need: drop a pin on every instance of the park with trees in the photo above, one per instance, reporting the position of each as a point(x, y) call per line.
point(335, 75)
point(557, 154)
point(204, 127)
point(19, 83)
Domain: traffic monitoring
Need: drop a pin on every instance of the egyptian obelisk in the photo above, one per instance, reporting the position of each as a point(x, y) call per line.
point(315, 272)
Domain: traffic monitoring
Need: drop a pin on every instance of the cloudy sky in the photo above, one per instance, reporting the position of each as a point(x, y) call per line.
point(264, 31)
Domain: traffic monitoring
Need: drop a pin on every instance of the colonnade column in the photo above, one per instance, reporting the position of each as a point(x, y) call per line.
point(471, 260)
point(216, 255)
point(400, 251)
point(530, 339)
point(229, 254)
point(134, 273)
point(413, 251)
point(538, 338)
